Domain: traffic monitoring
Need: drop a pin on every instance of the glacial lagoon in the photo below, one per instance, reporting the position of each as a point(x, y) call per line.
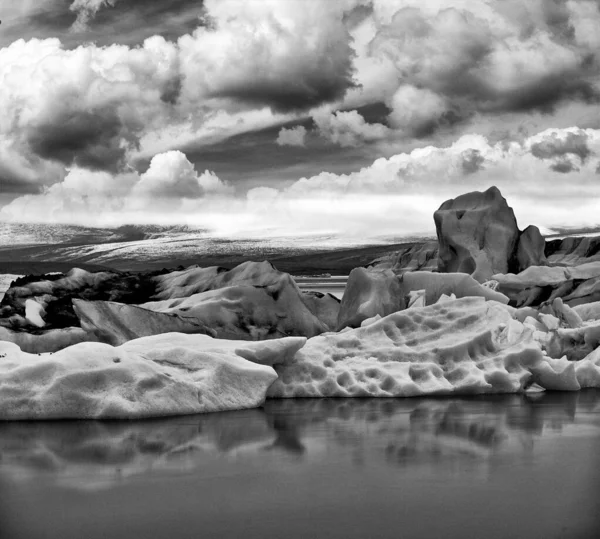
point(479, 467)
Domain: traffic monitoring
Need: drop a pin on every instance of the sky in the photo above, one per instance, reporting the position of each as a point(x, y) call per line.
point(278, 117)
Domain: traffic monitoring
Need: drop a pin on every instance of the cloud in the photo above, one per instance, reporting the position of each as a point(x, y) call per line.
point(542, 192)
point(291, 137)
point(443, 68)
point(348, 128)
point(479, 57)
point(392, 197)
point(96, 107)
point(84, 107)
point(560, 144)
point(566, 150)
point(86, 10)
point(472, 161)
point(170, 190)
point(563, 166)
point(289, 56)
point(417, 110)
point(171, 175)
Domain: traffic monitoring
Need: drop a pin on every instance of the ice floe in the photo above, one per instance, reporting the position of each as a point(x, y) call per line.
point(163, 375)
point(462, 346)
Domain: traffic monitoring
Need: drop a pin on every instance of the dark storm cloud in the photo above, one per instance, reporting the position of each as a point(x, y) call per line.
point(546, 93)
point(131, 21)
point(286, 96)
point(572, 144)
point(285, 163)
point(558, 18)
point(564, 166)
point(83, 138)
point(303, 84)
point(463, 59)
point(42, 20)
point(446, 120)
point(127, 22)
point(172, 90)
point(10, 183)
point(472, 161)
point(468, 91)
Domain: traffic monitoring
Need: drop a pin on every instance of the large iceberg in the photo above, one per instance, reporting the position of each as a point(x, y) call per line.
point(168, 374)
point(478, 234)
point(463, 346)
point(370, 293)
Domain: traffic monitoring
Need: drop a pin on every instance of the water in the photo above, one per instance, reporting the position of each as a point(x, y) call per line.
point(334, 285)
point(493, 467)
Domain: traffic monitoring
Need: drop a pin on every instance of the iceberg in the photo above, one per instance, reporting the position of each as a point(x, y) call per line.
point(462, 346)
point(169, 374)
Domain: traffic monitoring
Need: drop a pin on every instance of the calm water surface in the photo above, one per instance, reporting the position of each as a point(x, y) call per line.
point(494, 467)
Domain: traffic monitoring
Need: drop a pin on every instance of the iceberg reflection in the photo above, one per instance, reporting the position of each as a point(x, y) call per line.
point(395, 432)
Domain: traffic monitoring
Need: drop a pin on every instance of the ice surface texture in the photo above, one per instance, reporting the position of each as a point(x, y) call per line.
point(116, 323)
point(463, 346)
point(168, 374)
point(538, 284)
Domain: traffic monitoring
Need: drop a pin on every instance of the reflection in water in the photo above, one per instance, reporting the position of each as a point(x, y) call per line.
point(397, 432)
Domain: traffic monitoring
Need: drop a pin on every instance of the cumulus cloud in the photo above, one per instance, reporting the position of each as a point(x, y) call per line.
point(566, 150)
point(85, 107)
point(172, 176)
point(417, 110)
point(480, 57)
point(289, 56)
point(443, 68)
point(291, 137)
point(398, 195)
point(560, 144)
point(86, 10)
point(347, 128)
point(96, 107)
point(393, 196)
point(170, 185)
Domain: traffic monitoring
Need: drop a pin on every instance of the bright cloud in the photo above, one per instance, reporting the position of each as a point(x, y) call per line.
point(464, 86)
point(347, 128)
point(393, 197)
